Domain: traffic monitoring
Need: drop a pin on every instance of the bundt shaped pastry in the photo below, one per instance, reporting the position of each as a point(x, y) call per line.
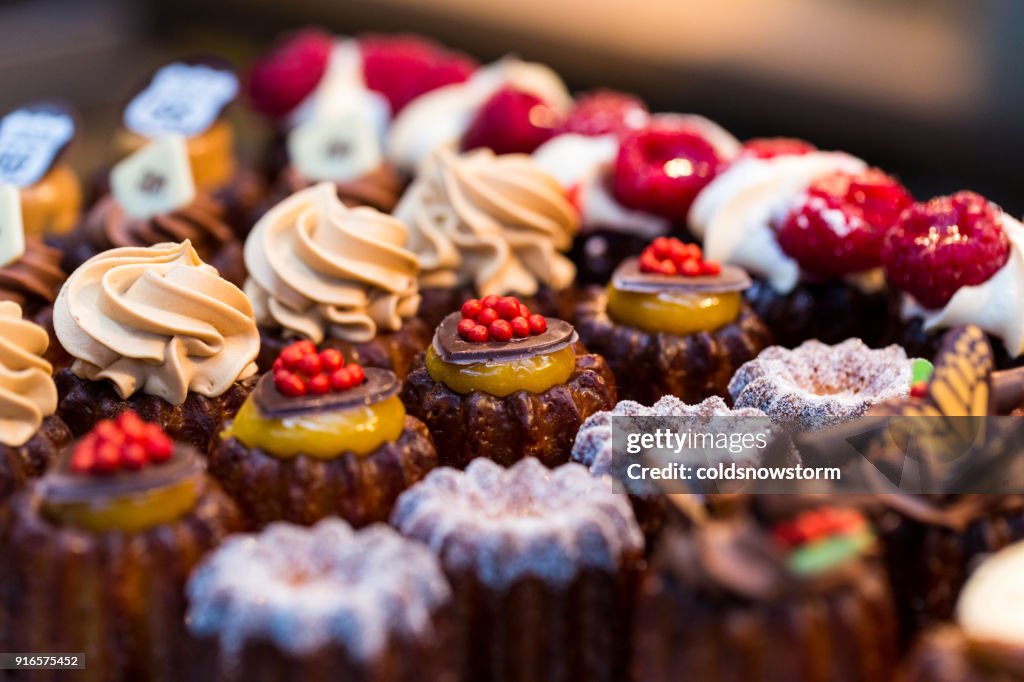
point(671, 334)
point(107, 226)
point(337, 276)
point(97, 553)
point(814, 385)
point(508, 398)
point(297, 452)
point(809, 226)
point(495, 224)
point(380, 188)
point(806, 601)
point(33, 282)
point(173, 341)
point(543, 566)
point(319, 604)
point(985, 642)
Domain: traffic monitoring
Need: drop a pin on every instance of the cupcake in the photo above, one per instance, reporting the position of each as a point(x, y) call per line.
point(501, 383)
point(321, 603)
point(985, 643)
point(622, 169)
point(318, 438)
point(814, 385)
point(809, 226)
point(30, 434)
point(189, 98)
point(483, 224)
point(339, 277)
point(509, 107)
point(97, 552)
point(804, 599)
point(671, 323)
point(31, 279)
point(32, 142)
point(542, 565)
point(119, 220)
point(157, 331)
point(969, 270)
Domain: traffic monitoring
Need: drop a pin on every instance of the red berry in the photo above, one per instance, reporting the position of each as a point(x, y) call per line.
point(280, 80)
point(358, 374)
point(311, 365)
point(507, 308)
point(690, 268)
point(134, 456)
point(538, 325)
point(500, 330)
point(306, 347)
point(278, 364)
point(465, 325)
point(331, 359)
point(511, 121)
point(839, 227)
point(108, 431)
point(770, 147)
point(108, 458)
point(83, 459)
point(661, 247)
point(291, 357)
point(319, 384)
point(343, 379)
point(944, 244)
point(667, 267)
point(471, 308)
point(523, 310)
point(158, 446)
point(479, 334)
point(486, 316)
point(290, 384)
point(660, 168)
point(605, 112)
point(404, 67)
point(520, 327)
point(710, 268)
point(490, 300)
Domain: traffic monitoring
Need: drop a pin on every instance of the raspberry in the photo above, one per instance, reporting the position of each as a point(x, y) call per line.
point(660, 168)
point(538, 325)
point(944, 244)
point(520, 326)
point(511, 121)
point(280, 80)
point(604, 112)
point(838, 228)
point(471, 308)
point(404, 67)
point(770, 147)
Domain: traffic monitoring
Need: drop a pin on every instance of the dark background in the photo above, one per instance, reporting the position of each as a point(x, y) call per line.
point(928, 89)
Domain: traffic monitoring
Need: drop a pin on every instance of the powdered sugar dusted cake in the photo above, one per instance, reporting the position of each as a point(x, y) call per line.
point(303, 589)
point(816, 385)
point(526, 521)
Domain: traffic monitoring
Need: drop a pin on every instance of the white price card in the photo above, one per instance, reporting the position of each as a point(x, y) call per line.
point(31, 138)
point(12, 232)
point(156, 179)
point(183, 99)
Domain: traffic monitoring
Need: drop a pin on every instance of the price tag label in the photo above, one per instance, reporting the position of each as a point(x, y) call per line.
point(31, 138)
point(156, 179)
point(12, 231)
point(336, 146)
point(182, 99)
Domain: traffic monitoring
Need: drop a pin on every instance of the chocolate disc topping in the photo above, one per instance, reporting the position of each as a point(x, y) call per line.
point(629, 277)
point(380, 384)
point(452, 348)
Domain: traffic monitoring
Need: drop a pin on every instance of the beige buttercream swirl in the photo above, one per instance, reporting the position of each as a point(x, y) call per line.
point(319, 269)
point(158, 320)
point(27, 392)
point(498, 222)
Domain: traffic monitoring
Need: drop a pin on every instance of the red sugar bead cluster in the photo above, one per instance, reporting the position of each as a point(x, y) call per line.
point(124, 444)
point(669, 256)
point(498, 318)
point(301, 370)
point(817, 524)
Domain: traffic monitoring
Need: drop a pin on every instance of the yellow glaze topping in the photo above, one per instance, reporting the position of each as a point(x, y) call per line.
point(322, 434)
point(130, 512)
point(52, 205)
point(536, 373)
point(672, 312)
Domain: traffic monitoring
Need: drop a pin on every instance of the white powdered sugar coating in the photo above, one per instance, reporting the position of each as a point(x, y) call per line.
point(526, 521)
point(306, 588)
point(593, 446)
point(991, 606)
point(816, 385)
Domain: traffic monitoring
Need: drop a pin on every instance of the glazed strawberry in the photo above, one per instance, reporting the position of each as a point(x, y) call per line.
point(511, 121)
point(770, 147)
point(944, 244)
point(604, 112)
point(404, 67)
point(839, 226)
point(279, 81)
point(660, 168)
